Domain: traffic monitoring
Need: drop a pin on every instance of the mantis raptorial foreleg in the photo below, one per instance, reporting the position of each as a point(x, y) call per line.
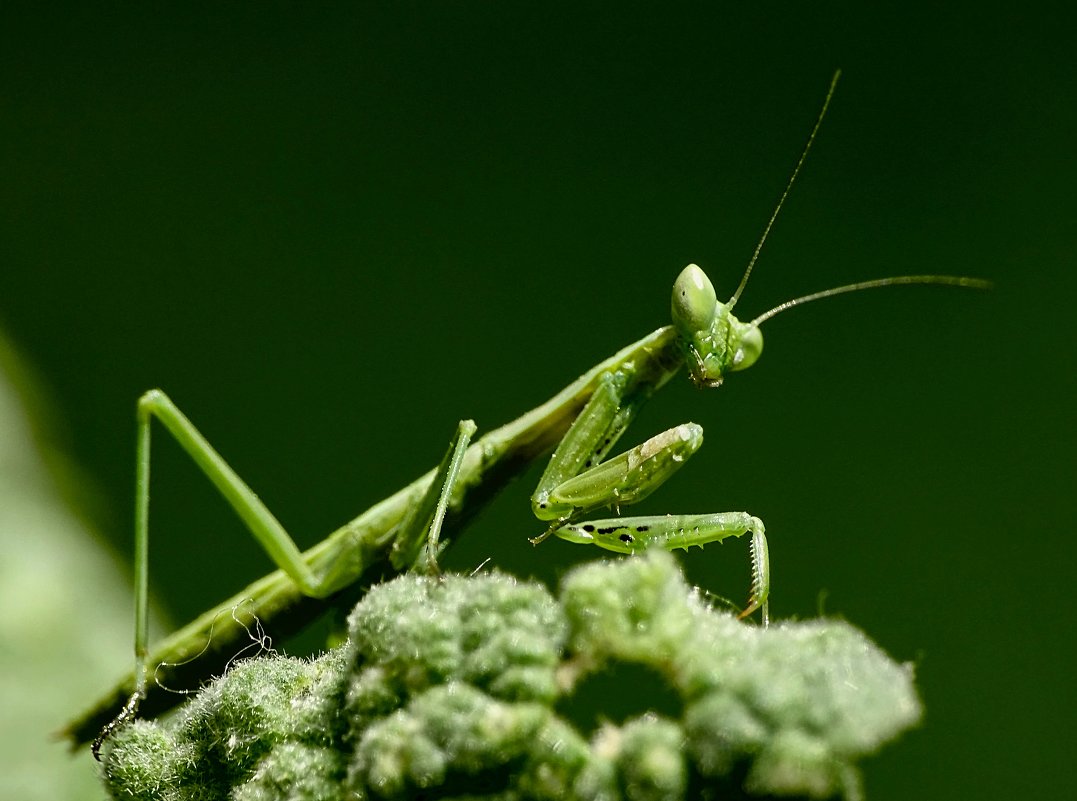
point(576, 481)
point(635, 534)
point(590, 437)
point(421, 526)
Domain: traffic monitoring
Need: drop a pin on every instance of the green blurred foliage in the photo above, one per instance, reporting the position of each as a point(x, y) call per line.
point(330, 233)
point(64, 609)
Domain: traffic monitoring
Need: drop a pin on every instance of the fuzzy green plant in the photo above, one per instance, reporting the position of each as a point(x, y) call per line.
point(463, 687)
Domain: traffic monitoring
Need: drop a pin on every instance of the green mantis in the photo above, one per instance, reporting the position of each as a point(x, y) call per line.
point(580, 424)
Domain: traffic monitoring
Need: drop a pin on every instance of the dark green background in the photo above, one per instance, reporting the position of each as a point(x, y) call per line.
point(330, 233)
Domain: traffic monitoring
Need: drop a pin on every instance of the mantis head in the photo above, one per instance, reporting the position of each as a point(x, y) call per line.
point(713, 340)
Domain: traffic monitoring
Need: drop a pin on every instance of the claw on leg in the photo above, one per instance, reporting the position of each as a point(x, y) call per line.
point(126, 714)
point(545, 535)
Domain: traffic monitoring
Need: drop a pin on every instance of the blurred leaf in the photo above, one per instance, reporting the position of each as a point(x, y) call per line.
point(65, 625)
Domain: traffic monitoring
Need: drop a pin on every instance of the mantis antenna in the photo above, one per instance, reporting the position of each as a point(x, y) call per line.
point(943, 280)
point(785, 193)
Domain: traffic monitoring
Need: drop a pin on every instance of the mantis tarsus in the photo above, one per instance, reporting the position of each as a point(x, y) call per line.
point(583, 421)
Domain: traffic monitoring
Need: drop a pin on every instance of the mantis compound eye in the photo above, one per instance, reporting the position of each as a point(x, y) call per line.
point(750, 348)
point(694, 302)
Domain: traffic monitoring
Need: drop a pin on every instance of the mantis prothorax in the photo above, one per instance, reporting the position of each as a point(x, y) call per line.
point(583, 421)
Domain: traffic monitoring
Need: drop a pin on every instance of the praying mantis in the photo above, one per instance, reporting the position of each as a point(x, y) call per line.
point(580, 424)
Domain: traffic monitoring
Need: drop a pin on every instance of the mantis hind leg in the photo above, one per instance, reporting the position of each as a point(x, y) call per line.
point(265, 528)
